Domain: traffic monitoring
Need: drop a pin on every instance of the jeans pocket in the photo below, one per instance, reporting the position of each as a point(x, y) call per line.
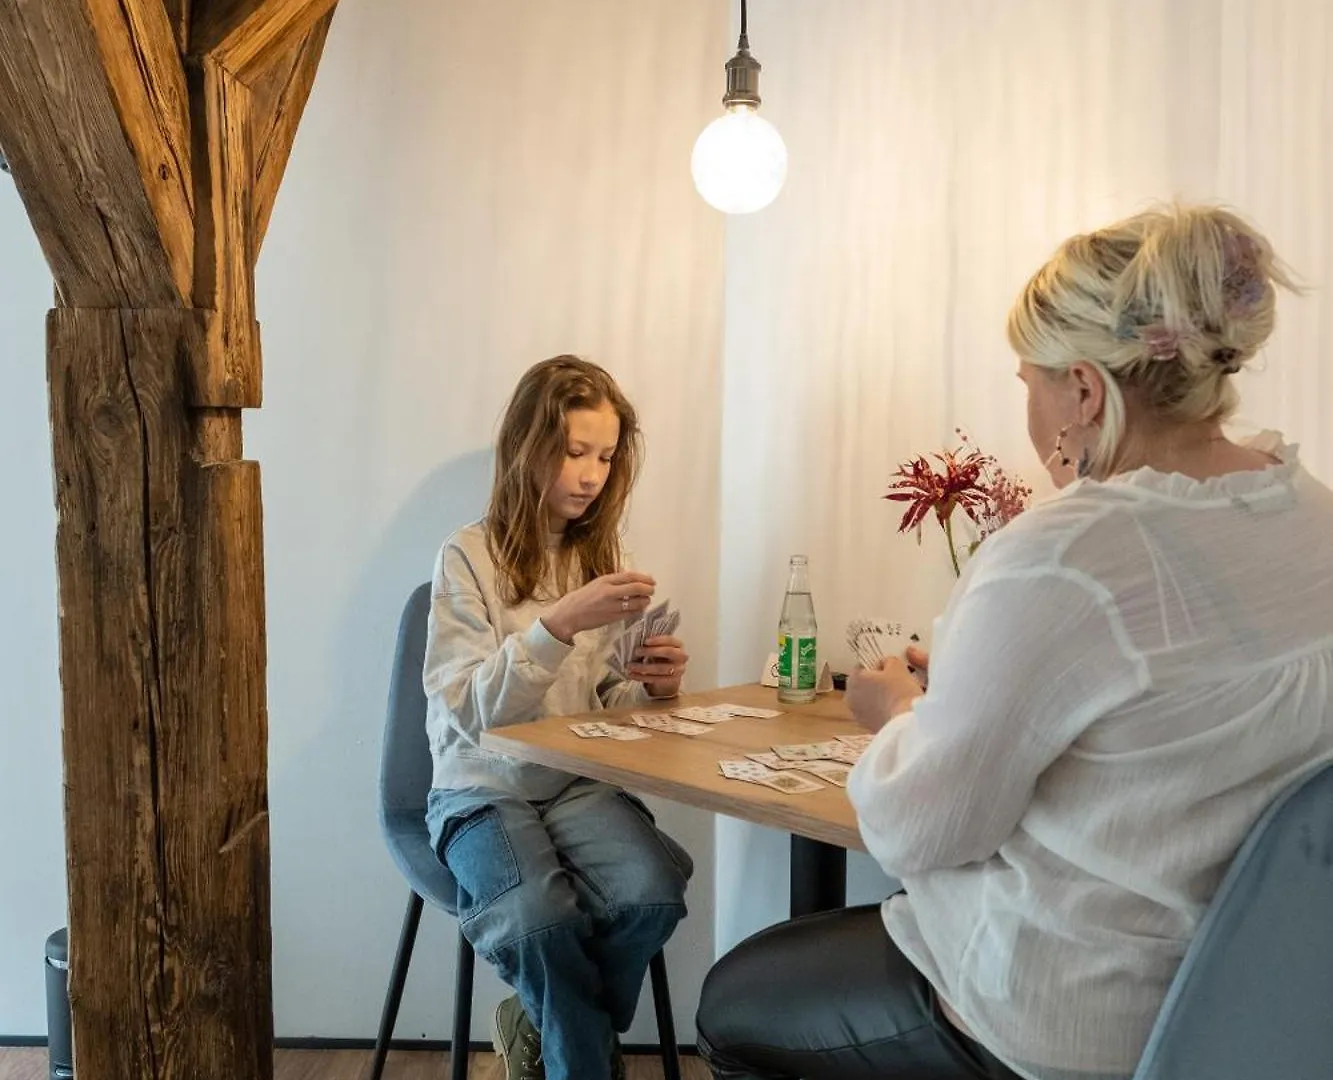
point(477, 851)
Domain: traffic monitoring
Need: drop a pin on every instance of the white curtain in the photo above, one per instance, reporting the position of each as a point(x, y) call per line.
point(475, 187)
point(939, 151)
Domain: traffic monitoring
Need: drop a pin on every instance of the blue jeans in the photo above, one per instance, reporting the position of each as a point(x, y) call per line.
point(568, 899)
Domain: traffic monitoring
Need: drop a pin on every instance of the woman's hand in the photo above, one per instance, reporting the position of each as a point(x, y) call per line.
point(602, 601)
point(878, 695)
point(920, 660)
point(660, 665)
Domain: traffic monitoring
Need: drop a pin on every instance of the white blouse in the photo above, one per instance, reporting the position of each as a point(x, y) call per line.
point(1124, 678)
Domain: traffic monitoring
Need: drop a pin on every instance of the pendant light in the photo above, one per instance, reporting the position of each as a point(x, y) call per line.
point(740, 161)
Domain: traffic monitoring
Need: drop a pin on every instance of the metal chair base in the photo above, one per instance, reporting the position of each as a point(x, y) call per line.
point(462, 1038)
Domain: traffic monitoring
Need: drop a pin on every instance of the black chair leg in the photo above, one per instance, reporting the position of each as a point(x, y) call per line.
point(458, 1056)
point(666, 1024)
point(397, 979)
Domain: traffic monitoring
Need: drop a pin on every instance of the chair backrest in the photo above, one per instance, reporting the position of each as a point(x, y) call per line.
point(1253, 999)
point(405, 761)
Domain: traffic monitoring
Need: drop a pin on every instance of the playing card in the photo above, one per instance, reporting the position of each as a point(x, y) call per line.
point(658, 722)
point(789, 782)
point(748, 710)
point(660, 621)
point(772, 761)
point(742, 769)
point(625, 734)
point(602, 730)
point(625, 646)
point(841, 752)
point(662, 624)
point(827, 751)
point(714, 714)
point(871, 640)
point(856, 742)
point(835, 772)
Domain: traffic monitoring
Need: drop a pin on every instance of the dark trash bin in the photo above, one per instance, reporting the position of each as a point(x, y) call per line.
point(59, 1042)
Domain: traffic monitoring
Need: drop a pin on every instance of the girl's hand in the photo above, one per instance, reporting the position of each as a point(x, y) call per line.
point(602, 601)
point(877, 696)
point(660, 665)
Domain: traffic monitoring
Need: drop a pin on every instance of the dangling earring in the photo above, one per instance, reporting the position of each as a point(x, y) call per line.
point(1084, 463)
point(1060, 447)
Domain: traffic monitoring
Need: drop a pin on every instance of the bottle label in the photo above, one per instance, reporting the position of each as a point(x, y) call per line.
point(797, 669)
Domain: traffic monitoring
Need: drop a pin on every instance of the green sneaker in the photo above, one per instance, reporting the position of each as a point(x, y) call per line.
point(517, 1042)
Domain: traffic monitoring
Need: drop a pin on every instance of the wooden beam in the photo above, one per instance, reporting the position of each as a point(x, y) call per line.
point(178, 12)
point(280, 97)
point(110, 238)
point(247, 36)
point(165, 725)
point(141, 54)
point(224, 240)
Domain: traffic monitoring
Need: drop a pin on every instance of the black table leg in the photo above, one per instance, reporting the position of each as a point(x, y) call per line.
point(818, 876)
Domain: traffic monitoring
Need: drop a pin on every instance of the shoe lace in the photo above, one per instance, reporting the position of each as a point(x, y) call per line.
point(532, 1056)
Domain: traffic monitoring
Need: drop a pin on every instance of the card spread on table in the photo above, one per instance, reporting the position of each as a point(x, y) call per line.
point(751, 711)
point(825, 751)
point(660, 621)
point(752, 772)
point(848, 755)
point(789, 782)
point(856, 742)
point(835, 772)
point(672, 724)
point(772, 761)
point(704, 714)
point(742, 769)
point(601, 730)
point(807, 751)
point(716, 714)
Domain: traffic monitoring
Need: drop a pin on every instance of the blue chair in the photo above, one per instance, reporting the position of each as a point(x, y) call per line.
point(1253, 999)
point(405, 776)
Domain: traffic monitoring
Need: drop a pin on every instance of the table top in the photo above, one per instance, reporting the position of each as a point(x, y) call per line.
point(684, 768)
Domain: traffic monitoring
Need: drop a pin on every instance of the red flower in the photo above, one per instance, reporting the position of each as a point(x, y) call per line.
point(971, 480)
point(924, 489)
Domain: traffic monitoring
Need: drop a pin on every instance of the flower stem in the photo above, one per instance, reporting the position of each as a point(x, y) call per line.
point(953, 552)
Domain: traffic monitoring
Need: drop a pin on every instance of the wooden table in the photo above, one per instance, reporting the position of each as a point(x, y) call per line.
point(684, 769)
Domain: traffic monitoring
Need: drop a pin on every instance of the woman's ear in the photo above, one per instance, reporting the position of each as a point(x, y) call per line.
point(1089, 386)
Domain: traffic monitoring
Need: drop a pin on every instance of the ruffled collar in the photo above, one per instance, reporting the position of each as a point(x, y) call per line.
point(1229, 487)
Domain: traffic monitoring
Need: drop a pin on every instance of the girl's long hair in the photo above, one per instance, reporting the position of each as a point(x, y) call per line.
point(529, 454)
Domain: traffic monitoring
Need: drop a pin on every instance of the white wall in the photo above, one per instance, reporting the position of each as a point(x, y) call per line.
point(938, 154)
point(474, 188)
point(32, 838)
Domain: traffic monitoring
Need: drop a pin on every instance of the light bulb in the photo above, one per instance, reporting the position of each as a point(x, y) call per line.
point(739, 161)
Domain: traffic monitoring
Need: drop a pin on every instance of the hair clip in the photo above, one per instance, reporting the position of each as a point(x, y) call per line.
point(1163, 343)
point(1228, 359)
point(1243, 284)
point(1124, 327)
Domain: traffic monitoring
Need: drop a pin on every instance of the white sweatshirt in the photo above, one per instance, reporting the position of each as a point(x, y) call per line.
point(489, 665)
point(1125, 678)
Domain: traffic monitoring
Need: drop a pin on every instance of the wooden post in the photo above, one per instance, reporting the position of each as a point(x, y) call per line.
point(165, 728)
point(131, 129)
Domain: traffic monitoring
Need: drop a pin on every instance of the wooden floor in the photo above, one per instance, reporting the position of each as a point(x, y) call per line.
point(352, 1064)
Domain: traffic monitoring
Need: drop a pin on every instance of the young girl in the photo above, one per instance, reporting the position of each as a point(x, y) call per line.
point(565, 885)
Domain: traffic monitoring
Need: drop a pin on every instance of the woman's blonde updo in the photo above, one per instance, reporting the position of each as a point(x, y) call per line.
point(1168, 304)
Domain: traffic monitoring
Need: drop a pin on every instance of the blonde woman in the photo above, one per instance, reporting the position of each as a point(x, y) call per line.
point(566, 886)
point(1124, 678)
